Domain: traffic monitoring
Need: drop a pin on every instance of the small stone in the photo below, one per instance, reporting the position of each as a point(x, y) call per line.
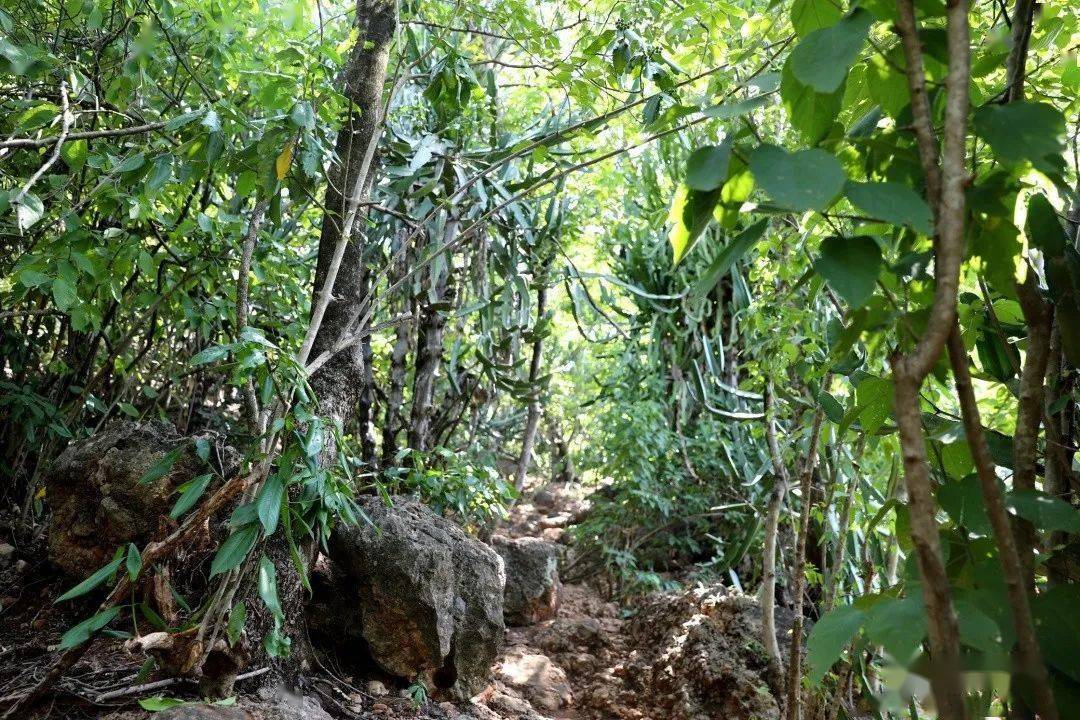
point(380, 709)
point(450, 710)
point(7, 551)
point(376, 688)
point(21, 566)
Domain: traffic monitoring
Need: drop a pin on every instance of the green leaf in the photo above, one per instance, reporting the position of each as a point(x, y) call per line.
point(804, 180)
point(822, 59)
point(83, 631)
point(1044, 230)
point(235, 548)
point(691, 211)
point(133, 562)
point(727, 111)
point(1024, 131)
point(810, 15)
point(707, 167)
point(874, 399)
point(828, 638)
point(831, 406)
point(268, 587)
point(64, 294)
point(727, 258)
point(159, 703)
point(892, 202)
point(812, 113)
point(162, 467)
point(211, 354)
point(74, 154)
point(237, 620)
point(94, 580)
point(977, 629)
point(898, 625)
point(850, 265)
point(1045, 512)
point(193, 490)
point(269, 503)
point(29, 210)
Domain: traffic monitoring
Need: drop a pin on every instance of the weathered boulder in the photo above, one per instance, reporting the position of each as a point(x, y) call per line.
point(97, 500)
point(429, 597)
point(536, 678)
point(699, 655)
point(532, 579)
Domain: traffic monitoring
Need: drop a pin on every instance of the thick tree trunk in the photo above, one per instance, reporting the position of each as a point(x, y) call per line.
point(340, 382)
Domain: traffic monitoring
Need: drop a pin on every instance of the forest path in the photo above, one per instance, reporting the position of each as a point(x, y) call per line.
point(565, 668)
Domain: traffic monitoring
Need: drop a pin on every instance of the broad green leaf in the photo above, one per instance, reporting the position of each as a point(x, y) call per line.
point(193, 490)
point(160, 702)
point(1057, 625)
point(102, 574)
point(690, 214)
point(1045, 512)
point(812, 113)
point(74, 154)
point(822, 59)
point(898, 625)
point(133, 562)
point(269, 503)
point(211, 354)
point(810, 15)
point(162, 467)
point(235, 548)
point(850, 265)
point(83, 631)
point(1024, 131)
point(962, 500)
point(892, 202)
point(977, 629)
point(707, 167)
point(828, 638)
point(803, 180)
point(834, 411)
point(64, 294)
point(237, 620)
point(29, 210)
point(1044, 230)
point(873, 403)
point(268, 587)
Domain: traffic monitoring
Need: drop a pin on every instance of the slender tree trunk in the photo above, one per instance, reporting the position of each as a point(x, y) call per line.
point(945, 190)
point(533, 419)
point(794, 677)
point(1012, 569)
point(398, 371)
point(781, 480)
point(429, 349)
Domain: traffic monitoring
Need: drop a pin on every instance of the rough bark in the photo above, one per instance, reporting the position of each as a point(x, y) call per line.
point(533, 419)
point(794, 677)
point(398, 373)
point(339, 383)
point(781, 480)
point(945, 187)
point(429, 348)
point(1012, 570)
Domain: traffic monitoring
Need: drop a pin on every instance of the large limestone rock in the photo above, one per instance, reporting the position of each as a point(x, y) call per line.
point(532, 579)
point(97, 501)
point(429, 597)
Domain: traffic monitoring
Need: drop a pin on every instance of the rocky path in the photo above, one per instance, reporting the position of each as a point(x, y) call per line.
point(688, 656)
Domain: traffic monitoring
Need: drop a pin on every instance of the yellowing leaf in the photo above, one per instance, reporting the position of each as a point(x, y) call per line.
point(281, 165)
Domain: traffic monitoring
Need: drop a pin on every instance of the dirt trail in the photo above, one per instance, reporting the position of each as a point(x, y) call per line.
point(693, 655)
